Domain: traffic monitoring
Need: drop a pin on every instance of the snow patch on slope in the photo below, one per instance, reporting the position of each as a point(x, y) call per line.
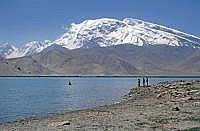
point(30, 48)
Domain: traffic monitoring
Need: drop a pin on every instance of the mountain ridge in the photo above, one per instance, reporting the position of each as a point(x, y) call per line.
point(106, 32)
point(120, 60)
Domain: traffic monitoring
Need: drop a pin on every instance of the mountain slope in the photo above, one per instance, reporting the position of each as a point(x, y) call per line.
point(22, 66)
point(30, 48)
point(84, 62)
point(191, 63)
point(6, 49)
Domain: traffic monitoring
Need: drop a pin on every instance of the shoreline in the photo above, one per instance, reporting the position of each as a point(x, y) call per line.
point(166, 105)
point(108, 76)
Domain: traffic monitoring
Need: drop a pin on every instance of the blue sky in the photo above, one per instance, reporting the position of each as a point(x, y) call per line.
point(27, 20)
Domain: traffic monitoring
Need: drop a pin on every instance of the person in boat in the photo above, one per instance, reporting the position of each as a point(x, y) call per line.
point(70, 83)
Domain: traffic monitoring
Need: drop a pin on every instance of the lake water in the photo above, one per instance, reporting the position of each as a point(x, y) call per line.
point(23, 97)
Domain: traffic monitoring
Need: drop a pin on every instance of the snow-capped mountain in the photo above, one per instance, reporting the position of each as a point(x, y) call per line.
point(6, 49)
point(108, 32)
point(30, 48)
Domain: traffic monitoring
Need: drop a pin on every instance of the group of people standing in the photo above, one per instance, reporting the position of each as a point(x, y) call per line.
point(145, 81)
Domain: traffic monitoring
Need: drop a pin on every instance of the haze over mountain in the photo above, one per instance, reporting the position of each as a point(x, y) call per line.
point(107, 32)
point(106, 47)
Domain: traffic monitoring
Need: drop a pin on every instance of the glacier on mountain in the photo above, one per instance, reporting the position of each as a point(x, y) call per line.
point(107, 32)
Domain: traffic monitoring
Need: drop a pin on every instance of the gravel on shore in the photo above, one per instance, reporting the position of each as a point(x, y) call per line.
point(166, 106)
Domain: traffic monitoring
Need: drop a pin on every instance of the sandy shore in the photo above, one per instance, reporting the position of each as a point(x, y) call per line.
point(165, 106)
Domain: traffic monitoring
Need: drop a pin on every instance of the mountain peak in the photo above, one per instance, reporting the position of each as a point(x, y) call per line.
point(107, 32)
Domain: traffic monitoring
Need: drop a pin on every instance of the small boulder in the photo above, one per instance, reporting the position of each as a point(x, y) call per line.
point(188, 83)
point(63, 123)
point(159, 95)
point(175, 109)
point(186, 98)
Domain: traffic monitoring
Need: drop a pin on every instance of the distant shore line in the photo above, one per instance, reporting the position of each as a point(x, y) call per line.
point(125, 76)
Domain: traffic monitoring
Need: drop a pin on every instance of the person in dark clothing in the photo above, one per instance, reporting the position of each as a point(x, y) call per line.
point(147, 81)
point(143, 81)
point(138, 82)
